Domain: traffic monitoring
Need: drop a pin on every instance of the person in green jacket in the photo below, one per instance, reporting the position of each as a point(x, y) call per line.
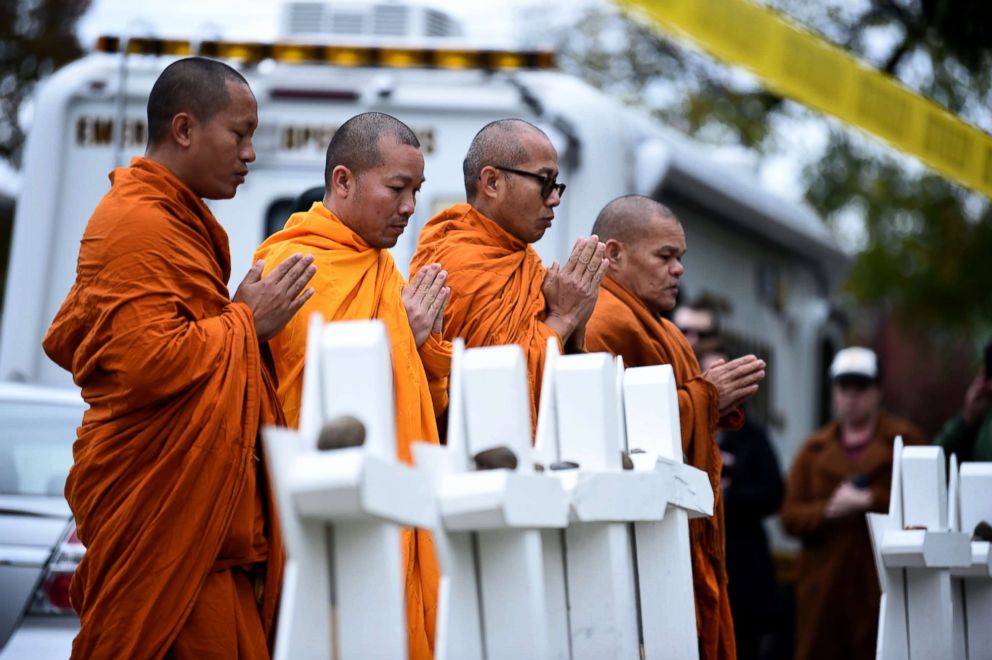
point(969, 435)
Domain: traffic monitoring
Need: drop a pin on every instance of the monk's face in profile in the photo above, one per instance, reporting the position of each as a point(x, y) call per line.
point(649, 263)
point(221, 147)
point(379, 206)
point(520, 205)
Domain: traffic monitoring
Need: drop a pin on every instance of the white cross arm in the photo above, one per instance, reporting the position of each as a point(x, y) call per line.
point(348, 484)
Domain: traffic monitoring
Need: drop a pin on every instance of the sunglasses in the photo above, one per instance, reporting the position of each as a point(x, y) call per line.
point(853, 383)
point(549, 184)
point(702, 334)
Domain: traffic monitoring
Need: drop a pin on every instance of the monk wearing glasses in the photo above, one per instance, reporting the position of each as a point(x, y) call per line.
point(501, 293)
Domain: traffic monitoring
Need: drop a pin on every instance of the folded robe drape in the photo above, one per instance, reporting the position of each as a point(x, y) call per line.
point(495, 282)
point(183, 555)
point(622, 325)
point(355, 281)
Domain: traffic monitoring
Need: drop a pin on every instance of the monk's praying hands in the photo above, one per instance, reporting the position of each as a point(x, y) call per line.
point(424, 298)
point(570, 290)
point(735, 381)
point(275, 298)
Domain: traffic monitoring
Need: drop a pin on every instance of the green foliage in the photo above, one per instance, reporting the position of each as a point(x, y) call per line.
point(926, 245)
point(36, 37)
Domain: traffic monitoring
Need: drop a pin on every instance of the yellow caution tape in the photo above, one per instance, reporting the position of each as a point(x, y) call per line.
point(804, 67)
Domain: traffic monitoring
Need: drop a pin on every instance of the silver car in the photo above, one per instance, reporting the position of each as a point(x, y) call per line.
point(39, 549)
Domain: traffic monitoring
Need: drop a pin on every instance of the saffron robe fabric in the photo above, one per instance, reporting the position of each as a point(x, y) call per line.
point(622, 325)
point(355, 281)
point(837, 590)
point(495, 281)
point(183, 555)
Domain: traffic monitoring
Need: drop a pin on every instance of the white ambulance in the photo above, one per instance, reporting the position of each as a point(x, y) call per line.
point(772, 258)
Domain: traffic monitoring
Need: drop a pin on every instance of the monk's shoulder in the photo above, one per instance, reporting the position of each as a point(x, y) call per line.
point(674, 335)
point(613, 326)
point(463, 247)
point(121, 225)
point(610, 314)
point(281, 245)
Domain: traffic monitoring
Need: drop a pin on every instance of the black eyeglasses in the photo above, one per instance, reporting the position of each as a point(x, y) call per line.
point(549, 184)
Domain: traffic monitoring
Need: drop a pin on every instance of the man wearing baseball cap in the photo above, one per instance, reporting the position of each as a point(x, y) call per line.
point(842, 471)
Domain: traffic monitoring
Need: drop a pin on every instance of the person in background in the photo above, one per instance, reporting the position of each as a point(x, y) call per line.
point(969, 435)
point(699, 321)
point(752, 490)
point(842, 471)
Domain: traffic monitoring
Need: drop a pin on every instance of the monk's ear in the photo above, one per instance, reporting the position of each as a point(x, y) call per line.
point(181, 129)
point(342, 182)
point(614, 252)
point(488, 179)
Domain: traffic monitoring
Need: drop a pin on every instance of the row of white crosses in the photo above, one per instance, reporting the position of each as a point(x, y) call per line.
point(936, 581)
point(577, 547)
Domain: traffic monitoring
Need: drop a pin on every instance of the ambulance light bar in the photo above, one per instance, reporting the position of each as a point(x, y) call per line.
point(346, 56)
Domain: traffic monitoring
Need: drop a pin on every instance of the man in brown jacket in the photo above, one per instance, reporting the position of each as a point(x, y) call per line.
point(843, 471)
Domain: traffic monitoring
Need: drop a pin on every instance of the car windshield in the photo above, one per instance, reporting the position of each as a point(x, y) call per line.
point(36, 446)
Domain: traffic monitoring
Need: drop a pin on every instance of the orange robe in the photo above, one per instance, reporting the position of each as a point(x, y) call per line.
point(495, 282)
point(355, 281)
point(183, 556)
point(622, 325)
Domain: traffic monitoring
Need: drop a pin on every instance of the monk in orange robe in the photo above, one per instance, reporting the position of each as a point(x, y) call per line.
point(168, 488)
point(644, 245)
point(500, 291)
point(373, 171)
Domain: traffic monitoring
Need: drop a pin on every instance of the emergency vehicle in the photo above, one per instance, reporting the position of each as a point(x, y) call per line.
point(774, 259)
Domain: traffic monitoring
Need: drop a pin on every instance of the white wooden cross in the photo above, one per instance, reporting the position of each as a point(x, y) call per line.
point(915, 549)
point(664, 560)
point(602, 600)
point(493, 601)
point(341, 508)
point(971, 503)
point(582, 421)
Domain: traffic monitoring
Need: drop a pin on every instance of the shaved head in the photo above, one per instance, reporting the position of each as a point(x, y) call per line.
point(357, 143)
point(645, 244)
point(625, 218)
point(499, 143)
point(195, 85)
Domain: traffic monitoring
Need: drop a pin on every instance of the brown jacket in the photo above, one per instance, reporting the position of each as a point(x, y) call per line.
point(837, 591)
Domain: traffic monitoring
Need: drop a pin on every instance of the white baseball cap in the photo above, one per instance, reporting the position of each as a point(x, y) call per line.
point(855, 361)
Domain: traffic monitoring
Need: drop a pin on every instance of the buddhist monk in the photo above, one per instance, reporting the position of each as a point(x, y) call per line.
point(373, 171)
point(168, 488)
point(500, 291)
point(644, 247)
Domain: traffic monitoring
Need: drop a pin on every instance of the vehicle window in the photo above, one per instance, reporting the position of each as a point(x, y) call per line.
point(36, 447)
point(279, 211)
